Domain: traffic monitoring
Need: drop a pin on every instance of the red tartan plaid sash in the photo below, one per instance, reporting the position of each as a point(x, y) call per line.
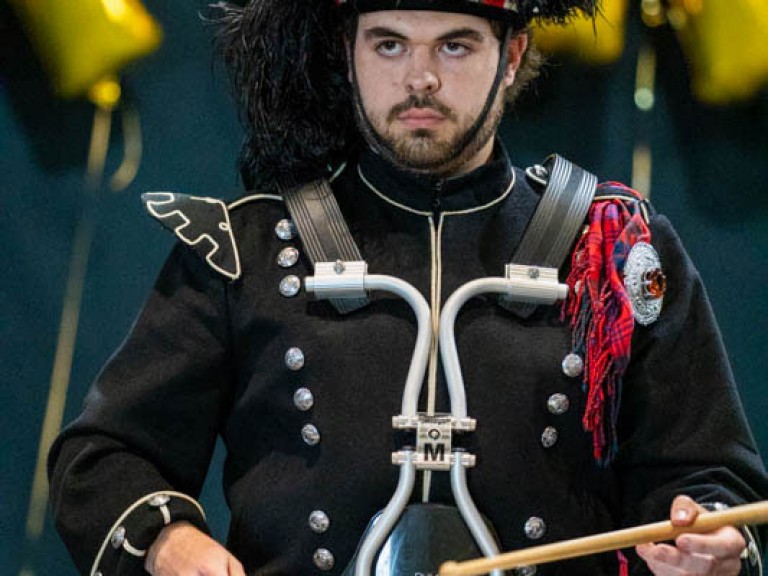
point(599, 312)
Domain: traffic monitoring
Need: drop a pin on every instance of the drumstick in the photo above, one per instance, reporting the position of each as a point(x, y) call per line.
point(756, 513)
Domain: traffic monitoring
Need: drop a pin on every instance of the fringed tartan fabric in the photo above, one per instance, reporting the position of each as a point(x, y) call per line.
point(598, 308)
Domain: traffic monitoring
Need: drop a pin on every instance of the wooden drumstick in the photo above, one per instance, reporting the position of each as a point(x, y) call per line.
point(756, 513)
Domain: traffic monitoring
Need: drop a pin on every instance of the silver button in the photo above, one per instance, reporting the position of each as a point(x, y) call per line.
point(310, 434)
point(303, 399)
point(573, 365)
point(159, 500)
point(288, 257)
point(558, 404)
point(549, 437)
point(294, 359)
point(525, 571)
point(535, 528)
point(323, 559)
point(290, 286)
point(319, 521)
point(118, 537)
point(285, 229)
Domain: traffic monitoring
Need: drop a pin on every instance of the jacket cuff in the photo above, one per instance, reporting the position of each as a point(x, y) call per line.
point(751, 557)
point(126, 543)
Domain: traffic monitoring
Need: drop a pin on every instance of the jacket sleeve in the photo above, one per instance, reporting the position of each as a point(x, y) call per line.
point(137, 456)
point(682, 426)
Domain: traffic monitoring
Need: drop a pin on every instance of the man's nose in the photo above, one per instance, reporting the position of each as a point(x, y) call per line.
point(422, 76)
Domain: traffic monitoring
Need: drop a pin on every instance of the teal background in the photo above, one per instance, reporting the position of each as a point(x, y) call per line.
point(710, 176)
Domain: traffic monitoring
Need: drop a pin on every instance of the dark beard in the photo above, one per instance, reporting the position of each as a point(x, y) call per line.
point(419, 151)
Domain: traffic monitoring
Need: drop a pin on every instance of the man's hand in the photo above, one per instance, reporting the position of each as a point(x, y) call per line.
point(713, 554)
point(183, 550)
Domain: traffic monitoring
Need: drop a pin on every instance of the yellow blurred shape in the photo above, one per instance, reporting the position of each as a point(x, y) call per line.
point(599, 42)
point(84, 41)
point(726, 43)
point(105, 93)
point(116, 9)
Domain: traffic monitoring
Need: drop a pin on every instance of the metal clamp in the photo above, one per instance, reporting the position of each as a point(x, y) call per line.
point(464, 459)
point(534, 284)
point(402, 422)
point(338, 279)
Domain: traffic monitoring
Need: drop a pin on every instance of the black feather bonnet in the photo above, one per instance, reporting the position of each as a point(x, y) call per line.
point(286, 61)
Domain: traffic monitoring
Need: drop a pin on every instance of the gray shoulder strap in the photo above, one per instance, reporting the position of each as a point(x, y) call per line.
point(323, 231)
point(556, 222)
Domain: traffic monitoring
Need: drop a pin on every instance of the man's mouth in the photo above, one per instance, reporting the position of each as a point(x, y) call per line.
point(420, 118)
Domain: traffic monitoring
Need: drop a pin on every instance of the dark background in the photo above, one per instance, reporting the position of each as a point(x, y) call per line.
point(710, 176)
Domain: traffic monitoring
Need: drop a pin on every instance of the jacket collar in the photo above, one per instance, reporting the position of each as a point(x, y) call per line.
point(427, 195)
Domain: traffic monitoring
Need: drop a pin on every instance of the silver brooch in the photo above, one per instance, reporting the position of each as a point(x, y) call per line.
point(645, 283)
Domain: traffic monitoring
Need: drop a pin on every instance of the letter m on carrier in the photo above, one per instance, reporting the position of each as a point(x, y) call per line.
point(433, 442)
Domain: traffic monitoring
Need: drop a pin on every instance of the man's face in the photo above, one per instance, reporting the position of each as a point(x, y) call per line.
point(423, 80)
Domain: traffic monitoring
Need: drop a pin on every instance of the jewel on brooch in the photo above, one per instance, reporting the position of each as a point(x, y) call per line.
point(654, 283)
point(645, 283)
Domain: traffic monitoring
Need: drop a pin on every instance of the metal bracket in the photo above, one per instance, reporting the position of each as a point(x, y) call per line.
point(401, 422)
point(338, 280)
point(465, 459)
point(534, 284)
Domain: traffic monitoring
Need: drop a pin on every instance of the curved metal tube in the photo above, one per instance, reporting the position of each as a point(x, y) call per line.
point(448, 351)
point(420, 357)
point(469, 512)
point(516, 289)
point(383, 526)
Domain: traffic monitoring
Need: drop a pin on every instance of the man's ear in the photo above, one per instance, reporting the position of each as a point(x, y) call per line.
point(515, 50)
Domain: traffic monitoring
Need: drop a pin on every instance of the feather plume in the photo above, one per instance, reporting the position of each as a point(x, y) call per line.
point(288, 72)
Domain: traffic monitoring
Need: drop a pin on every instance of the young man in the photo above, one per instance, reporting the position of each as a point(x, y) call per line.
point(303, 391)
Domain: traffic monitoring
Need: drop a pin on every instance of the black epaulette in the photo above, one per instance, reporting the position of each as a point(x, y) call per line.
point(201, 223)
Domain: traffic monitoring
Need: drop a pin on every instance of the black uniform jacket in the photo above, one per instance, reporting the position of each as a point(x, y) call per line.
point(207, 357)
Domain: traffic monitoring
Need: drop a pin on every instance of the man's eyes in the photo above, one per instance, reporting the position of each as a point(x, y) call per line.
point(390, 48)
point(455, 49)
